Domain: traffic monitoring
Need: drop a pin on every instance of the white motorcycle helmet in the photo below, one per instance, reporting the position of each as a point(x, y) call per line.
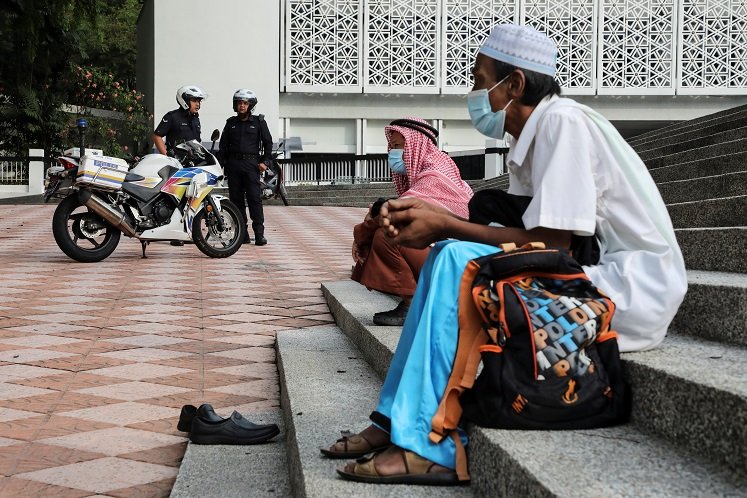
point(246, 95)
point(185, 93)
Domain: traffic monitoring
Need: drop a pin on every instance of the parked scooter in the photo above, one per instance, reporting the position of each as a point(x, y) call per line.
point(272, 182)
point(60, 177)
point(161, 199)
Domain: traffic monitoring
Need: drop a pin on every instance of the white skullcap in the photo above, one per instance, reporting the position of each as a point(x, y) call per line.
point(521, 46)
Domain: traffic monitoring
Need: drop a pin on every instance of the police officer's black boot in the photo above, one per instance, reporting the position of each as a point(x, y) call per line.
point(259, 239)
point(247, 237)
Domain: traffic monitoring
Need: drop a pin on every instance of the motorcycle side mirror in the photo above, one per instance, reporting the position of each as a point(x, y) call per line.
point(215, 136)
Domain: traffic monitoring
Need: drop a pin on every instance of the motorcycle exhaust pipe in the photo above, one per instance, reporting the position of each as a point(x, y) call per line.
point(113, 216)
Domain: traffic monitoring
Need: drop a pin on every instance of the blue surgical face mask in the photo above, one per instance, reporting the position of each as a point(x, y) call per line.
point(483, 118)
point(396, 162)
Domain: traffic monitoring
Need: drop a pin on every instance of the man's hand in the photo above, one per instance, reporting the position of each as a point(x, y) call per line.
point(412, 222)
point(262, 167)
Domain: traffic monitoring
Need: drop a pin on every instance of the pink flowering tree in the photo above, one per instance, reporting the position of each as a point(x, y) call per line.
point(118, 121)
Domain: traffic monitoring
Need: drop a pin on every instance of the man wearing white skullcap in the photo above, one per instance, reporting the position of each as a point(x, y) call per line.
point(574, 183)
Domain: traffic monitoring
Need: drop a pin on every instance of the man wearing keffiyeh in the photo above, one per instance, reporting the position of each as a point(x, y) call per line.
point(427, 173)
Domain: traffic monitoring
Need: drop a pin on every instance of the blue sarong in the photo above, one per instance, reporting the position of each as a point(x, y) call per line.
point(420, 368)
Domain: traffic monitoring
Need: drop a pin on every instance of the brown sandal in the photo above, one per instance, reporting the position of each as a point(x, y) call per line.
point(351, 445)
point(418, 470)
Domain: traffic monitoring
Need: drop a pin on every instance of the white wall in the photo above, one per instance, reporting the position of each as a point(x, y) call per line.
point(227, 44)
point(221, 46)
point(337, 136)
point(460, 135)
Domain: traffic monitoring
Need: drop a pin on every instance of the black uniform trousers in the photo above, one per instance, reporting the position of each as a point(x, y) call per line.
point(244, 190)
point(494, 205)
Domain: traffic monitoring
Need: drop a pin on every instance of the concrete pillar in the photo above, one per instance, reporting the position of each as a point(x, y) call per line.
point(36, 172)
point(361, 126)
point(493, 159)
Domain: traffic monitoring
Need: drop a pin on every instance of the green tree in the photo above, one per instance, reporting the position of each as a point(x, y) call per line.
point(117, 117)
point(112, 45)
point(44, 45)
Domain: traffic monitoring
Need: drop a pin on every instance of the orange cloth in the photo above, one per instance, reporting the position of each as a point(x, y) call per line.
point(388, 268)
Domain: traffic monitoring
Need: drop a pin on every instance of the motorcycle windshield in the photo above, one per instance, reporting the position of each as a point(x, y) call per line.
point(193, 153)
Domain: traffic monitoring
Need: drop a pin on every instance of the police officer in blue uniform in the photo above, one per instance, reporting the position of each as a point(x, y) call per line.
point(180, 125)
point(183, 124)
point(246, 152)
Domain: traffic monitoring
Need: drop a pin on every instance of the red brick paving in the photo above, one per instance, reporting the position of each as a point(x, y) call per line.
point(97, 359)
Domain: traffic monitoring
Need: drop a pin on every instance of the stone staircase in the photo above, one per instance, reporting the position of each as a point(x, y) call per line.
point(688, 431)
point(363, 194)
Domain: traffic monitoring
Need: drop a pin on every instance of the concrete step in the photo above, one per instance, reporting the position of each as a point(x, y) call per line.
point(714, 308)
point(687, 169)
point(326, 387)
point(703, 121)
point(332, 201)
point(692, 132)
point(729, 135)
point(697, 154)
point(714, 249)
point(231, 471)
point(10, 199)
point(325, 188)
point(528, 460)
point(688, 387)
point(705, 187)
point(611, 462)
point(724, 212)
point(499, 182)
point(360, 195)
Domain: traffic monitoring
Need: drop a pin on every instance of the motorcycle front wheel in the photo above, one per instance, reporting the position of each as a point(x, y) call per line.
point(82, 234)
point(210, 239)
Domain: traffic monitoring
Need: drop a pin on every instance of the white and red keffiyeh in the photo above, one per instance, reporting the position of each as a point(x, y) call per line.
point(431, 174)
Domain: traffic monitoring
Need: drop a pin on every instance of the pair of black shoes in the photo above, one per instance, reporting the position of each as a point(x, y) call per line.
point(207, 427)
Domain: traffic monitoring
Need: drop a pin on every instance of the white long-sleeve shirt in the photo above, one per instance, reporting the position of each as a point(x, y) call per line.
point(583, 177)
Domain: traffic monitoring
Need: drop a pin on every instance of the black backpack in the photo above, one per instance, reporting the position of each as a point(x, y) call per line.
point(542, 331)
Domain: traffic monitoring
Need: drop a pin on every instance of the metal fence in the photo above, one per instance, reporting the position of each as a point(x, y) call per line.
point(14, 170)
point(369, 168)
point(336, 169)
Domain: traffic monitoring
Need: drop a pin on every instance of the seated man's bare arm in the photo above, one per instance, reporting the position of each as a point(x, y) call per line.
point(414, 223)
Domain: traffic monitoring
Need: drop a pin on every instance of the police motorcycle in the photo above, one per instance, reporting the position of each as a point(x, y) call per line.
point(161, 198)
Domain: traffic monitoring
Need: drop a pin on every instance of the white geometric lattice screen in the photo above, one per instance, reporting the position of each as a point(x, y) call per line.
point(637, 43)
point(571, 23)
point(713, 46)
point(466, 24)
point(605, 46)
point(402, 45)
point(323, 45)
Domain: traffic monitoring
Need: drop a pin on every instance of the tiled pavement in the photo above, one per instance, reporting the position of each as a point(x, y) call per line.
point(97, 359)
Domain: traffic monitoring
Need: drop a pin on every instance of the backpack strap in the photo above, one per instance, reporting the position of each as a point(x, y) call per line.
point(463, 372)
point(466, 362)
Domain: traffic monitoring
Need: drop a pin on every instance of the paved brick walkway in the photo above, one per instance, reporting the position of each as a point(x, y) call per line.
point(97, 359)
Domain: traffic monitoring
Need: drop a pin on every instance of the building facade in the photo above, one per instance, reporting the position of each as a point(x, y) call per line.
point(334, 72)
